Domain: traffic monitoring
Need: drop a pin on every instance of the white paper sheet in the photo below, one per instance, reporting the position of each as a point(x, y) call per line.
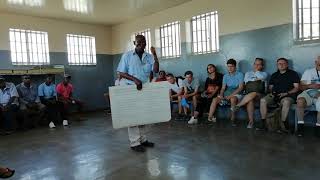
point(130, 107)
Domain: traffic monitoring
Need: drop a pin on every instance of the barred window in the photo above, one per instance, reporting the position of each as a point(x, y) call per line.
point(32, 3)
point(81, 50)
point(307, 20)
point(29, 47)
point(146, 33)
point(205, 34)
point(79, 6)
point(170, 40)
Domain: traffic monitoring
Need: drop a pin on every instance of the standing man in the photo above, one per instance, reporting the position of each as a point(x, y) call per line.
point(137, 67)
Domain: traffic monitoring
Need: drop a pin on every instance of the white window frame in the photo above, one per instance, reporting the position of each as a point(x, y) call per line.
point(205, 33)
point(81, 50)
point(306, 27)
point(147, 34)
point(170, 41)
point(29, 47)
point(31, 3)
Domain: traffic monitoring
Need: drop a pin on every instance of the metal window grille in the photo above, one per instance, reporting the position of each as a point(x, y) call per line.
point(170, 40)
point(31, 3)
point(205, 34)
point(81, 50)
point(29, 47)
point(146, 33)
point(80, 6)
point(307, 17)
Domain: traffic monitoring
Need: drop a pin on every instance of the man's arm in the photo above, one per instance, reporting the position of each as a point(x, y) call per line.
point(132, 78)
point(292, 91)
point(222, 90)
point(304, 86)
point(156, 61)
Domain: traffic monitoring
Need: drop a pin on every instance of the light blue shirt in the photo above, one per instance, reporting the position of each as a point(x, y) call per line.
point(47, 91)
point(130, 63)
point(233, 80)
point(253, 76)
point(8, 92)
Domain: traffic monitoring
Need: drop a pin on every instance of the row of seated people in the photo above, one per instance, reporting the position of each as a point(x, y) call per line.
point(237, 90)
point(26, 105)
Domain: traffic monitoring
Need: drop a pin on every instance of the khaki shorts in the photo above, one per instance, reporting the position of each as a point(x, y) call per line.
point(269, 98)
point(310, 101)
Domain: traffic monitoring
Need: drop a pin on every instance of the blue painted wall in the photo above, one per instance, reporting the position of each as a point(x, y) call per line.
point(269, 43)
point(90, 82)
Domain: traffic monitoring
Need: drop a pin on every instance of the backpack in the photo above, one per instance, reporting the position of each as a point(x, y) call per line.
point(274, 120)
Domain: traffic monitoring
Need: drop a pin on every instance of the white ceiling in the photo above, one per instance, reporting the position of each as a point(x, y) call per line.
point(107, 12)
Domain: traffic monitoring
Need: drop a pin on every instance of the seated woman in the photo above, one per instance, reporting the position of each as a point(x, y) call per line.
point(232, 86)
point(212, 87)
point(255, 88)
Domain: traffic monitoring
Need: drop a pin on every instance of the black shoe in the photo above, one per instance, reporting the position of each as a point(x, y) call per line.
point(138, 148)
point(180, 117)
point(147, 144)
point(262, 126)
point(317, 131)
point(300, 130)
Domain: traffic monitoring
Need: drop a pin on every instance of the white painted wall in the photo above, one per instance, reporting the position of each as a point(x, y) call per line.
point(234, 16)
point(57, 30)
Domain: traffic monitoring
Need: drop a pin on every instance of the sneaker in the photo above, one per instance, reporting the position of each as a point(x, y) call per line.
point(51, 125)
point(193, 120)
point(180, 117)
point(233, 123)
point(65, 122)
point(138, 148)
point(147, 144)
point(235, 108)
point(300, 130)
point(250, 125)
point(212, 119)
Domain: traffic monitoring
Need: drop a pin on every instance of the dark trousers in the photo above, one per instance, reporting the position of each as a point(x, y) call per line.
point(65, 108)
point(32, 116)
point(8, 117)
point(52, 110)
point(203, 105)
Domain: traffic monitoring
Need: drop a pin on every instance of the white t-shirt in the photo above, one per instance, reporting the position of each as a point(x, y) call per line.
point(174, 87)
point(311, 76)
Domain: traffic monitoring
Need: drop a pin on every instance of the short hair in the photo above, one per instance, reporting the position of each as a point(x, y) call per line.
point(283, 59)
point(139, 36)
point(232, 61)
point(170, 75)
point(259, 59)
point(188, 73)
point(162, 71)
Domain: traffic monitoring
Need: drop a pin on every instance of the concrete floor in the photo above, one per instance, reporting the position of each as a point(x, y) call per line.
point(91, 150)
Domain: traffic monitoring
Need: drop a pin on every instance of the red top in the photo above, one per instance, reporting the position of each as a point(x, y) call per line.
point(64, 91)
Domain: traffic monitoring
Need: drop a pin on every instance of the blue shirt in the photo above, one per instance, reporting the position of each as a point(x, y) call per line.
point(8, 92)
point(28, 94)
point(47, 91)
point(232, 80)
point(253, 76)
point(132, 64)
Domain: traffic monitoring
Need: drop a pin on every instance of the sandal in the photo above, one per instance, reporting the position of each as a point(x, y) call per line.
point(9, 173)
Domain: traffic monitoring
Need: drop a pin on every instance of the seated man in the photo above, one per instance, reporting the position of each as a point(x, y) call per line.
point(231, 91)
point(30, 104)
point(283, 88)
point(212, 88)
point(310, 84)
point(8, 104)
point(162, 77)
point(176, 86)
point(190, 90)
point(64, 92)
point(48, 96)
point(255, 87)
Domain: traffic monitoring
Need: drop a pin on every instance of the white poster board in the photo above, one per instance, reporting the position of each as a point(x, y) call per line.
point(130, 107)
